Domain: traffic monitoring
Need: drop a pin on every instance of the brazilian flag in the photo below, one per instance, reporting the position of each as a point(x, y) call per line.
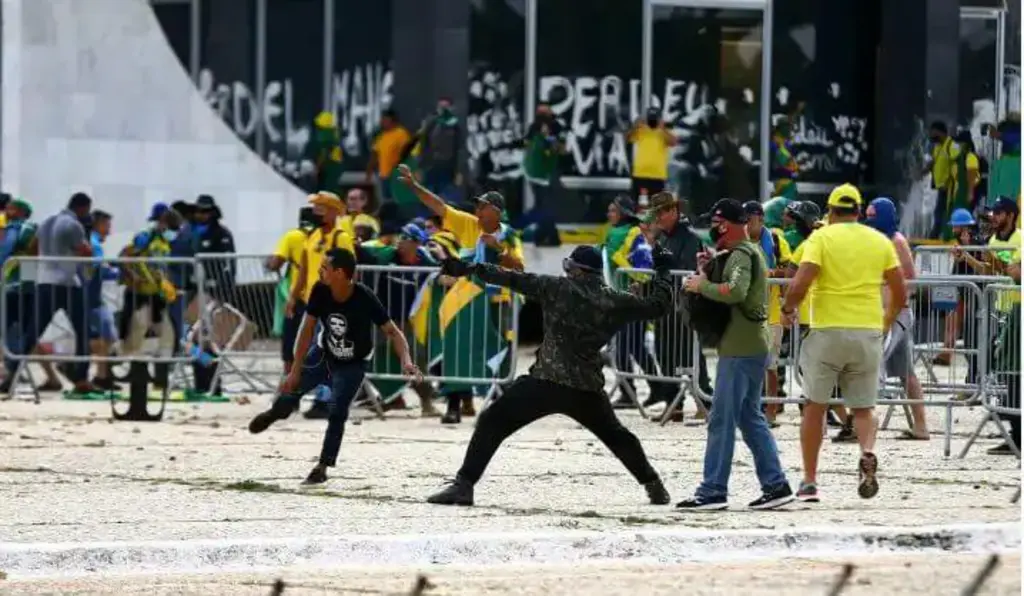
point(473, 336)
point(280, 301)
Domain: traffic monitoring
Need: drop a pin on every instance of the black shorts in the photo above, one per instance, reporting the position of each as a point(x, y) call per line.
point(651, 185)
point(291, 332)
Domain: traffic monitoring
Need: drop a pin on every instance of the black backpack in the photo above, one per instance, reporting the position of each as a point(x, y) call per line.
point(709, 318)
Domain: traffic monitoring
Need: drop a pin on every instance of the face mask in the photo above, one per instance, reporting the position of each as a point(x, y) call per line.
point(170, 235)
point(715, 234)
point(444, 110)
point(652, 122)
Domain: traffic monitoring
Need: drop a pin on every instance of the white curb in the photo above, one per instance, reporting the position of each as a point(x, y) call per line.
point(647, 546)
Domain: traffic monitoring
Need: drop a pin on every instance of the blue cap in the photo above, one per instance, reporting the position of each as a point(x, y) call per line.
point(961, 218)
point(414, 232)
point(158, 210)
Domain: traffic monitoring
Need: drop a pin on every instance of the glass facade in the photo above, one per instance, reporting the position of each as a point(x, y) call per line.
point(269, 66)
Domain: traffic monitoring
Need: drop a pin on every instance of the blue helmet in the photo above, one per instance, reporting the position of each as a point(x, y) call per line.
point(961, 218)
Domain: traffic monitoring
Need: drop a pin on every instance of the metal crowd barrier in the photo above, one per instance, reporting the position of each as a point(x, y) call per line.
point(225, 314)
point(1000, 385)
point(950, 341)
point(937, 259)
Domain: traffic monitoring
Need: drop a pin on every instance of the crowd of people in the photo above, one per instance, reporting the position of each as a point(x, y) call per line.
point(852, 317)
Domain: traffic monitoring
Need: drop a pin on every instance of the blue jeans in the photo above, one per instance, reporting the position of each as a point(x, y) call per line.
point(345, 380)
point(737, 403)
point(36, 308)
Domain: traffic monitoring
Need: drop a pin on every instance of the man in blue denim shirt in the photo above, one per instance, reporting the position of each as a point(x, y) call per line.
point(102, 330)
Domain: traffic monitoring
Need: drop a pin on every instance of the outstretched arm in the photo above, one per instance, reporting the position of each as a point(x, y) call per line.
point(654, 302)
point(538, 287)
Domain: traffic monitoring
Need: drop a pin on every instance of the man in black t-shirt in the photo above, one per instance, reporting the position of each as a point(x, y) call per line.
point(341, 314)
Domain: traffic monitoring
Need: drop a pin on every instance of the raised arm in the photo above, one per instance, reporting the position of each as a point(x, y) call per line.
point(653, 302)
point(432, 201)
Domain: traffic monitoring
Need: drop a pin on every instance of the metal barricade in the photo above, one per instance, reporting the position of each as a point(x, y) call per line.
point(664, 353)
point(114, 310)
point(1000, 384)
point(459, 334)
point(240, 320)
point(938, 259)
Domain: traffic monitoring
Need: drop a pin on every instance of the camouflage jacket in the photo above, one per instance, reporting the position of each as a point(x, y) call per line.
point(580, 316)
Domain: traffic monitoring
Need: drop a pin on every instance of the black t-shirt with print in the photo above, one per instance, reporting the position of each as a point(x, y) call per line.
point(346, 328)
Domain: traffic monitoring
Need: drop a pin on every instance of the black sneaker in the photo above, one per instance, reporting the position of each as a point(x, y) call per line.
point(320, 410)
point(846, 434)
point(453, 412)
point(1001, 449)
point(868, 468)
point(808, 493)
point(704, 504)
point(262, 421)
point(773, 498)
point(317, 475)
point(458, 492)
point(657, 493)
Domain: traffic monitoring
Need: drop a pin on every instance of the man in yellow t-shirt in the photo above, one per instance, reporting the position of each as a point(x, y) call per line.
point(289, 251)
point(481, 231)
point(848, 322)
point(651, 141)
point(943, 154)
point(328, 208)
point(387, 151)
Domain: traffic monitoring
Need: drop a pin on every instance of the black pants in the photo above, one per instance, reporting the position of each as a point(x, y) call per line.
point(529, 399)
point(544, 197)
point(651, 186)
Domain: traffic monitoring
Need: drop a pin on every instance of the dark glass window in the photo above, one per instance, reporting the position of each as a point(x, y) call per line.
point(227, 60)
point(294, 92)
point(175, 19)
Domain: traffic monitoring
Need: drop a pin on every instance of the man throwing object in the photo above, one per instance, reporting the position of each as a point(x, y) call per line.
point(581, 314)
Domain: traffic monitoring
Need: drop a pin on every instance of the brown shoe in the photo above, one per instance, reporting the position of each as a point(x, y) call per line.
point(468, 409)
point(428, 409)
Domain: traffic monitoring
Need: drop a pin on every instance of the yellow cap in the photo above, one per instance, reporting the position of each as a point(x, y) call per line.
point(845, 196)
point(368, 221)
point(324, 120)
point(328, 200)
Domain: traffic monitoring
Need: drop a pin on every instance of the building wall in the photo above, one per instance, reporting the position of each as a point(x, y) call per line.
point(588, 67)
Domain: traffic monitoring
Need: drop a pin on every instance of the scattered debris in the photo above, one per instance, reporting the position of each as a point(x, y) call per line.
point(983, 574)
point(421, 586)
point(844, 578)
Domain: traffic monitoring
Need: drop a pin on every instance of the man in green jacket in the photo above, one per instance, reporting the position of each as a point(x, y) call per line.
point(742, 359)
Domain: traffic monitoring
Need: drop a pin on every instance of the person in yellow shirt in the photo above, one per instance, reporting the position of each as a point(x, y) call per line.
point(943, 153)
point(387, 151)
point(848, 321)
point(289, 251)
point(651, 141)
point(481, 231)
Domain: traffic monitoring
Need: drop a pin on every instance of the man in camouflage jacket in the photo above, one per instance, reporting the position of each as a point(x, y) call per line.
point(581, 314)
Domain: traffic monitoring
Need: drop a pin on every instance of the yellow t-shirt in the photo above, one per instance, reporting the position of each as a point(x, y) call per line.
point(3, 219)
point(1007, 251)
point(317, 243)
point(650, 159)
point(345, 224)
point(466, 229)
point(775, 290)
point(852, 259)
point(804, 312)
point(943, 156)
point(290, 248)
point(388, 146)
point(954, 171)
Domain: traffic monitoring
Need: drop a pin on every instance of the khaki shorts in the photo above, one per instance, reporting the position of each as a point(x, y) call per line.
point(849, 358)
point(776, 346)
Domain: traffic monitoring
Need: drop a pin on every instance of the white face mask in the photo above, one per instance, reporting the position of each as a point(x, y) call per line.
point(170, 235)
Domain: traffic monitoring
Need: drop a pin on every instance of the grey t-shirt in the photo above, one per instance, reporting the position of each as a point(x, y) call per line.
point(59, 236)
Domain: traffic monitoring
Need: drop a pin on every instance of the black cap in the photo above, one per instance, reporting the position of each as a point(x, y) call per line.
point(730, 210)
point(753, 208)
point(492, 198)
point(1005, 205)
point(587, 258)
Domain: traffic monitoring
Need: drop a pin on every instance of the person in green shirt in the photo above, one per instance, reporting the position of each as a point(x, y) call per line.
point(325, 148)
point(544, 143)
point(742, 360)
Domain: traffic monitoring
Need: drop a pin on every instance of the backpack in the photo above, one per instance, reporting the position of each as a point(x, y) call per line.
point(710, 318)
